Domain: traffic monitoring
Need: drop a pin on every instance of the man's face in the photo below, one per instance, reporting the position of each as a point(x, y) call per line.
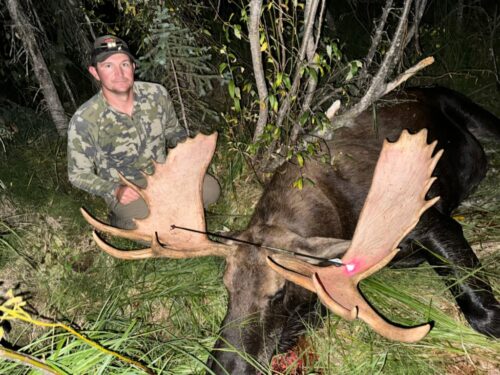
point(116, 73)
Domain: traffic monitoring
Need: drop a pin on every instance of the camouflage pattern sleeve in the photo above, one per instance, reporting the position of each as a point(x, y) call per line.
point(173, 130)
point(82, 151)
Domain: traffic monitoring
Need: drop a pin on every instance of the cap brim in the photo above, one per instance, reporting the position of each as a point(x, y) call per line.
point(104, 55)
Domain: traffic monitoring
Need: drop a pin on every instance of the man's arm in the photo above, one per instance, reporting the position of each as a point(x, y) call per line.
point(82, 152)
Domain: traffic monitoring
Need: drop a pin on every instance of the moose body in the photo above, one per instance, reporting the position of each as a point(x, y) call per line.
point(265, 312)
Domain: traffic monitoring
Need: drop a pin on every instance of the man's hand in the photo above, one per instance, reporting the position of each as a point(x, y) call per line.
point(126, 195)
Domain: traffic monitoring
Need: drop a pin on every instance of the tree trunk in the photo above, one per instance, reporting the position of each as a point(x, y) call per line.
point(42, 74)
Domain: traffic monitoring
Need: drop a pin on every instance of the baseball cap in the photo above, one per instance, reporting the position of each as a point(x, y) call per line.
point(108, 45)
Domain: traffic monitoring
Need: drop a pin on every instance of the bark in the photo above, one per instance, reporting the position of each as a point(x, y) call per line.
point(311, 48)
point(258, 69)
point(25, 30)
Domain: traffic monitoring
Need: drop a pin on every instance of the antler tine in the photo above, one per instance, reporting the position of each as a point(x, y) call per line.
point(391, 331)
point(118, 232)
point(331, 303)
point(121, 254)
point(133, 186)
point(361, 309)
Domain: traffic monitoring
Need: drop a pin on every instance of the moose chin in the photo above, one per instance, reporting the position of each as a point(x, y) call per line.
point(385, 198)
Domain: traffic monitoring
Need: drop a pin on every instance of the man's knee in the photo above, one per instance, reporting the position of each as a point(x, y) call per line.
point(122, 215)
point(211, 190)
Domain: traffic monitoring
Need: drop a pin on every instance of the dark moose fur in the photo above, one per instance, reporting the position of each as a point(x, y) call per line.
point(265, 314)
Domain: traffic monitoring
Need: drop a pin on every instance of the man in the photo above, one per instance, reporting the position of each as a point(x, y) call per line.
point(120, 130)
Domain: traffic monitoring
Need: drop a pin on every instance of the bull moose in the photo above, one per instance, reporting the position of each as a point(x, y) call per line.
point(272, 293)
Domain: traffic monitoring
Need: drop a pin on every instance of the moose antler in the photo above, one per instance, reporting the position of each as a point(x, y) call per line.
point(392, 209)
point(174, 197)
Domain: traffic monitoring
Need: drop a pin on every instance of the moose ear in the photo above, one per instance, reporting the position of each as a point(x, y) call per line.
point(325, 247)
point(322, 248)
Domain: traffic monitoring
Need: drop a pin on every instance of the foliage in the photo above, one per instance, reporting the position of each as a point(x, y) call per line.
point(280, 40)
point(174, 57)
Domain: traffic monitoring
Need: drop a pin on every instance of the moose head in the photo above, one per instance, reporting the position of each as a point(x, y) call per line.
point(259, 311)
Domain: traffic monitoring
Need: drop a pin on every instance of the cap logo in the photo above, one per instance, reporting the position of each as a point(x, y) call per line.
point(111, 42)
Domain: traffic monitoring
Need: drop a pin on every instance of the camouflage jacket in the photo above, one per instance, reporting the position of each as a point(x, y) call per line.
point(103, 141)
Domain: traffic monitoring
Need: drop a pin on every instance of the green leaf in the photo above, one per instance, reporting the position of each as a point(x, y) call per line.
point(247, 87)
point(329, 51)
point(244, 15)
point(237, 92)
point(276, 133)
point(354, 67)
point(222, 67)
point(237, 31)
point(262, 38)
point(313, 74)
point(237, 107)
point(300, 160)
point(231, 86)
point(336, 51)
point(288, 84)
point(299, 183)
point(279, 79)
point(273, 103)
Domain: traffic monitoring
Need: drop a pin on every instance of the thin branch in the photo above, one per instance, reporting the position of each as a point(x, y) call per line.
point(68, 90)
point(311, 51)
point(42, 73)
point(345, 121)
point(330, 112)
point(91, 30)
point(378, 85)
point(281, 33)
point(183, 110)
point(258, 68)
point(28, 360)
point(408, 73)
point(377, 37)
point(413, 32)
point(302, 52)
